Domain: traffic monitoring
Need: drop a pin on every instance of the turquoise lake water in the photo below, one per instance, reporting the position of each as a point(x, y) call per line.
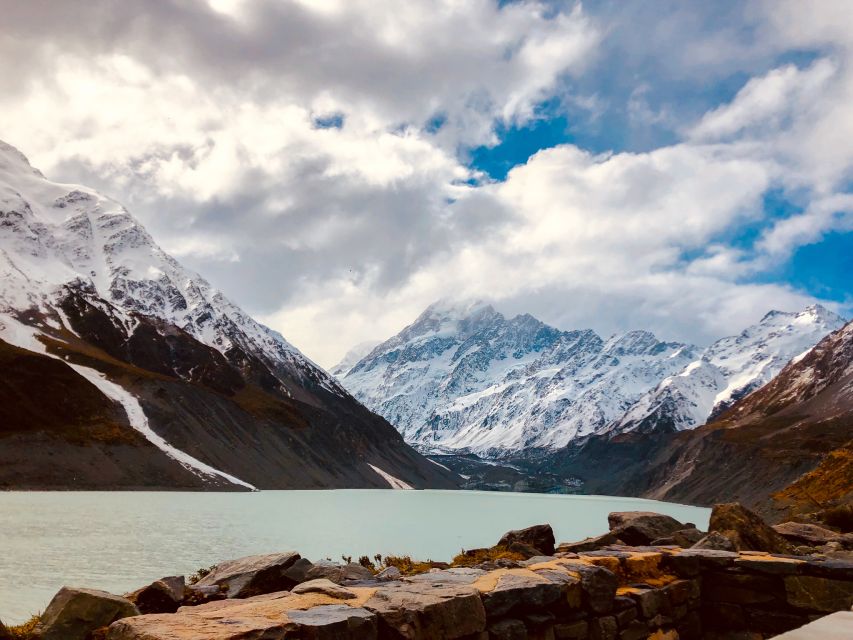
point(119, 541)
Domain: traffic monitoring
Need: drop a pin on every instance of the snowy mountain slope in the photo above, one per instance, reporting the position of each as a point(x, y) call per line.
point(728, 370)
point(352, 357)
point(53, 235)
point(464, 377)
point(217, 394)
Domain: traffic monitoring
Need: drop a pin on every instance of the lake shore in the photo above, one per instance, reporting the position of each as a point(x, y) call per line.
point(525, 586)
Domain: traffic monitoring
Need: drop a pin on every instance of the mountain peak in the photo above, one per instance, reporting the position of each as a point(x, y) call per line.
point(452, 317)
point(12, 158)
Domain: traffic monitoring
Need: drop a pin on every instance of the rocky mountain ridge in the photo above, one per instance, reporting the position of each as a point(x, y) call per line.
point(464, 378)
point(174, 385)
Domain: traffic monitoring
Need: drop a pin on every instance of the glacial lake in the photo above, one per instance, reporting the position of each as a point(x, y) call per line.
point(118, 541)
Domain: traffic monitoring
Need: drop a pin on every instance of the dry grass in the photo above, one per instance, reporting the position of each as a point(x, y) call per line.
point(830, 484)
point(407, 566)
point(476, 556)
point(25, 631)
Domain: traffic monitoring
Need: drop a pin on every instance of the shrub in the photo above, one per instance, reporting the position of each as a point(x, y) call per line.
point(201, 573)
point(473, 557)
point(25, 631)
point(407, 566)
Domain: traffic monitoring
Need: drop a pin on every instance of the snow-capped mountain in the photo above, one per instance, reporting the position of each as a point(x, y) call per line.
point(54, 236)
point(218, 398)
point(730, 369)
point(464, 377)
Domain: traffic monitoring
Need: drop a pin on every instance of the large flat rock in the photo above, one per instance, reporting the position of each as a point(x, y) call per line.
point(253, 575)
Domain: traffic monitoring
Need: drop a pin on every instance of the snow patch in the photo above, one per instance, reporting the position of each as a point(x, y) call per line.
point(395, 483)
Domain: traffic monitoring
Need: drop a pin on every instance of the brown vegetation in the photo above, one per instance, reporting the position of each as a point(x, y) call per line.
point(473, 557)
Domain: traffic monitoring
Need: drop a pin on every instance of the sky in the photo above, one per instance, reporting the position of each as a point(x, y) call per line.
point(335, 166)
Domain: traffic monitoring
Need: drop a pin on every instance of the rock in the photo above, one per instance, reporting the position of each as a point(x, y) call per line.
point(520, 590)
point(524, 549)
point(589, 544)
point(389, 573)
point(326, 587)
point(604, 628)
point(683, 538)
point(572, 631)
point(426, 609)
point(819, 594)
point(715, 541)
point(642, 527)
point(339, 573)
point(73, 614)
point(746, 530)
point(742, 589)
point(298, 571)
point(691, 562)
point(539, 537)
point(811, 534)
point(772, 565)
point(252, 575)
point(163, 596)
point(334, 621)
point(195, 595)
point(280, 615)
point(509, 629)
point(598, 585)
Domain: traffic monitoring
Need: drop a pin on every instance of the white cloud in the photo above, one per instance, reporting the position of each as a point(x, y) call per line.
point(201, 117)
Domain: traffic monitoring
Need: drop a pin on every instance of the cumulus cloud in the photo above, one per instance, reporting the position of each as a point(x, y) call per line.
point(309, 156)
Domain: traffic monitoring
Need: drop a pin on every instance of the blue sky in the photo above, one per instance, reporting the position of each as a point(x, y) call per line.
point(335, 166)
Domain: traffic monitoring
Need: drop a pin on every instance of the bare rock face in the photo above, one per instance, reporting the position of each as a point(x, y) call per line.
point(639, 528)
point(540, 537)
point(253, 575)
point(746, 530)
point(74, 614)
point(162, 596)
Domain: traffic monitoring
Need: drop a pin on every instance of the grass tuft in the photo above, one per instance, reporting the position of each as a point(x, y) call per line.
point(474, 557)
point(25, 631)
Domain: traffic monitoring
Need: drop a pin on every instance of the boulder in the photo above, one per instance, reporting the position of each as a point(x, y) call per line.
point(195, 595)
point(429, 608)
point(338, 573)
point(74, 614)
point(746, 530)
point(298, 571)
point(589, 544)
point(714, 540)
point(685, 538)
point(268, 616)
point(509, 629)
point(799, 533)
point(388, 574)
point(638, 528)
point(326, 587)
point(252, 575)
point(519, 591)
point(162, 596)
point(540, 537)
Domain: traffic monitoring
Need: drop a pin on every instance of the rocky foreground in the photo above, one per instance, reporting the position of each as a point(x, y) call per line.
point(650, 577)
